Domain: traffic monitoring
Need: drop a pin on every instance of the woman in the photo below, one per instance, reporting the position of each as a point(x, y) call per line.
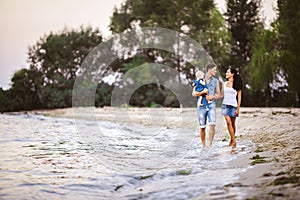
point(232, 92)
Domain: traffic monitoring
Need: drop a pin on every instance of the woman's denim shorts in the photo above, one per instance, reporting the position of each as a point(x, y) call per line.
point(228, 110)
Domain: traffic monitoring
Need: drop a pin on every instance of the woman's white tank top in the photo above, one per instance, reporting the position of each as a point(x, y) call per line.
point(229, 96)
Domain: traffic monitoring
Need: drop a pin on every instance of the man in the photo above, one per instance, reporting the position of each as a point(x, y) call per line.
point(207, 112)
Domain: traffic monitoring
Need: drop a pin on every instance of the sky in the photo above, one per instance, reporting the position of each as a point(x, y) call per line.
point(24, 22)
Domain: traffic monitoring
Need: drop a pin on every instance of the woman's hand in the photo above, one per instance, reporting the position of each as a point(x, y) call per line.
point(237, 111)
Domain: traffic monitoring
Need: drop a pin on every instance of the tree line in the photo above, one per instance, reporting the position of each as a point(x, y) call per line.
point(267, 58)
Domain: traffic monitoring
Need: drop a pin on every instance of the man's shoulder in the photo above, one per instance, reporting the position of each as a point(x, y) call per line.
point(214, 78)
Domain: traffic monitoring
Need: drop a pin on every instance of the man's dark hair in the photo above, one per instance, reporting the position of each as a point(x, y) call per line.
point(209, 66)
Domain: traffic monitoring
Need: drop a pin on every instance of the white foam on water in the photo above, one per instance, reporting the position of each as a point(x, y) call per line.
point(46, 157)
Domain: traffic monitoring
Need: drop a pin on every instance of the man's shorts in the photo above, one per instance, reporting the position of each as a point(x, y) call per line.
point(228, 110)
point(207, 112)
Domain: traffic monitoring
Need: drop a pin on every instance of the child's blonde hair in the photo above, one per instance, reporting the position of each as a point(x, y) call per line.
point(199, 74)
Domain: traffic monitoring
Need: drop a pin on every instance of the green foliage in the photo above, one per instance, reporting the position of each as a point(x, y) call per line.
point(184, 172)
point(145, 177)
point(257, 160)
point(198, 19)
point(264, 62)
point(172, 14)
point(216, 39)
point(242, 16)
point(268, 60)
point(23, 94)
point(275, 58)
point(58, 57)
point(152, 95)
point(263, 68)
point(103, 94)
point(4, 101)
point(289, 40)
point(54, 61)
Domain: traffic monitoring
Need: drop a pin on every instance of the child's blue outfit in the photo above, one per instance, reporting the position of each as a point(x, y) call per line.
point(199, 87)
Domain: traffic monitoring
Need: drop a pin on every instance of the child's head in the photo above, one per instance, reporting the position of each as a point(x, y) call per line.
point(199, 74)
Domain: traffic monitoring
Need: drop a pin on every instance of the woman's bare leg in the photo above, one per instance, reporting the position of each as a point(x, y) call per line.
point(231, 131)
point(233, 124)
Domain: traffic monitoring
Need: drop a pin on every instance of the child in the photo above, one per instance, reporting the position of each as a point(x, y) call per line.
point(200, 85)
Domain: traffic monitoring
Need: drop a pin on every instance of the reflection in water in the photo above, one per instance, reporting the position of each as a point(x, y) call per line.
point(44, 158)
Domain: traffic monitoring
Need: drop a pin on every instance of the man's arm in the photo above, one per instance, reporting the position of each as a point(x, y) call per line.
point(217, 94)
point(222, 92)
point(196, 94)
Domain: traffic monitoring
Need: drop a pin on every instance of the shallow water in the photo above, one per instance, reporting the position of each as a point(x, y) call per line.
point(53, 158)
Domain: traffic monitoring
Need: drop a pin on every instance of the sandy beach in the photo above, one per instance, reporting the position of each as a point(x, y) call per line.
point(273, 164)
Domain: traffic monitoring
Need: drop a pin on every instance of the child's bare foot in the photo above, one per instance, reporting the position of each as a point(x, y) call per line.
point(230, 143)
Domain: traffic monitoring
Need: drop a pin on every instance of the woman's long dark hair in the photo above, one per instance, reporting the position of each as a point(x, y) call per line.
point(237, 80)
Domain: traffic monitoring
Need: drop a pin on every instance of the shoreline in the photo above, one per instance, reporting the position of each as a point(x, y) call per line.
point(274, 162)
point(273, 165)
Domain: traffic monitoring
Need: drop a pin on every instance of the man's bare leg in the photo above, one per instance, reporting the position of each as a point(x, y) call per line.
point(202, 136)
point(211, 134)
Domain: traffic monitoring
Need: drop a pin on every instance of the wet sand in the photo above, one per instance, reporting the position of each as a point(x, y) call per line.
point(273, 164)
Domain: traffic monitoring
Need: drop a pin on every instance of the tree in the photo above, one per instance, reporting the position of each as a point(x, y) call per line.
point(264, 69)
point(242, 17)
point(23, 94)
point(198, 19)
point(191, 18)
point(216, 39)
point(4, 101)
point(289, 37)
point(103, 94)
point(191, 15)
point(58, 57)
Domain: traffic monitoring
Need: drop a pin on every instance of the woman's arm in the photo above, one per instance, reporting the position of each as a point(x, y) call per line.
point(239, 102)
